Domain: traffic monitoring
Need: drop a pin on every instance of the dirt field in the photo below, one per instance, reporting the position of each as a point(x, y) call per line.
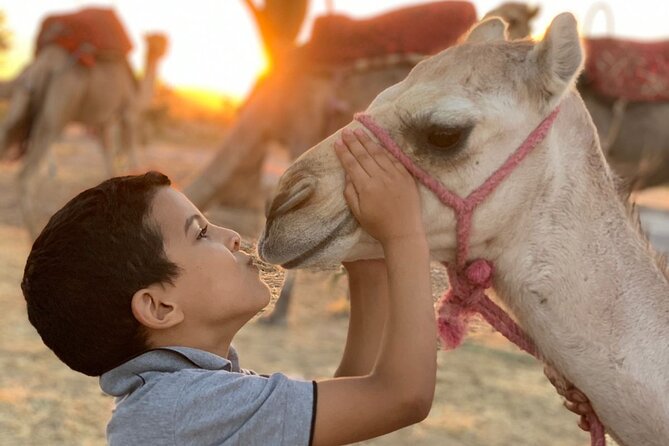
point(489, 393)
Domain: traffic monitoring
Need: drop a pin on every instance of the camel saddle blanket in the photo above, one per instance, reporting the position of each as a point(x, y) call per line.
point(423, 29)
point(626, 69)
point(86, 34)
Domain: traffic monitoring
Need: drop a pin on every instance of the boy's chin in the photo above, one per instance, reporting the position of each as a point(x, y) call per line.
point(261, 300)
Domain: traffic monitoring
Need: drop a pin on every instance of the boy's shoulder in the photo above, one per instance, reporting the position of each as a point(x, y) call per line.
point(171, 363)
point(188, 393)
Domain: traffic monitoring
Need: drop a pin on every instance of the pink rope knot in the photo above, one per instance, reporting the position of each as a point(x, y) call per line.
point(467, 290)
point(479, 273)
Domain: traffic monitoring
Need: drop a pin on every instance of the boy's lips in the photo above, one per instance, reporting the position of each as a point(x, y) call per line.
point(251, 263)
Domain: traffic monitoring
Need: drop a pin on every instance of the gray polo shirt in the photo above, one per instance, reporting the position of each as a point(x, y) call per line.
point(185, 396)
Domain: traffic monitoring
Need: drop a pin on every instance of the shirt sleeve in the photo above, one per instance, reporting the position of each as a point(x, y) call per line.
point(227, 408)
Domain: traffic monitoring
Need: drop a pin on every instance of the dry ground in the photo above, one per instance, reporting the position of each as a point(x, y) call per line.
point(488, 392)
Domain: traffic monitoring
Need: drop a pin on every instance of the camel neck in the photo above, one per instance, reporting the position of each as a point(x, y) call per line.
point(579, 276)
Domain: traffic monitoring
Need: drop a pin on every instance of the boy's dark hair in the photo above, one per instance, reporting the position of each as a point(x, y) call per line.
point(85, 266)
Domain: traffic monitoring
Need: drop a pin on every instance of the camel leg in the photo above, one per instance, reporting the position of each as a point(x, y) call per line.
point(16, 114)
point(105, 138)
point(129, 140)
point(616, 122)
point(52, 167)
point(44, 134)
point(279, 315)
point(54, 113)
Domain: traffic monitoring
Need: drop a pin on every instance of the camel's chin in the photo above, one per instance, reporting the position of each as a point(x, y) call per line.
point(297, 257)
point(321, 250)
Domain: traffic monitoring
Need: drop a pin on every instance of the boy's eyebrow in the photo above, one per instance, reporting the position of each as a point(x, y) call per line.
point(189, 221)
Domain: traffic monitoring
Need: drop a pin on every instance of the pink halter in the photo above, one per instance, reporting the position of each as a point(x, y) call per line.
point(469, 279)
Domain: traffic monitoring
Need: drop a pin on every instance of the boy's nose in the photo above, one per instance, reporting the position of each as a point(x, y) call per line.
point(232, 240)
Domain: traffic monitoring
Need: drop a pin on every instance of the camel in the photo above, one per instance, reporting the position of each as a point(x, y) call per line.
point(54, 90)
point(570, 263)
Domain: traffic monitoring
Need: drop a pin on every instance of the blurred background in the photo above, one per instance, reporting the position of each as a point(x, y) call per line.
point(222, 96)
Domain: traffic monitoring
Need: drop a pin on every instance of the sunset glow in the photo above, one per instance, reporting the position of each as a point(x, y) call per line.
point(209, 99)
point(214, 47)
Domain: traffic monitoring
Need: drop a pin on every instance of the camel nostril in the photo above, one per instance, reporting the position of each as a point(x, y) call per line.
point(292, 199)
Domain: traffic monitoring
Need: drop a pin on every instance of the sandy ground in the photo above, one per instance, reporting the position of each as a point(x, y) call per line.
point(489, 393)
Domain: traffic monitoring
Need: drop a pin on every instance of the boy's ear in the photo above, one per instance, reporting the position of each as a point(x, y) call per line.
point(153, 309)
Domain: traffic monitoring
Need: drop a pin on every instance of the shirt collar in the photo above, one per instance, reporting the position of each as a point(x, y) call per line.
point(127, 377)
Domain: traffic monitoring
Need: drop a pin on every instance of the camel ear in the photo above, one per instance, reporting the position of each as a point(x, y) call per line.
point(559, 57)
point(489, 30)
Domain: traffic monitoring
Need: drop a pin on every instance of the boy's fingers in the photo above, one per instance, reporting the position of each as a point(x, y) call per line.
point(360, 153)
point(350, 164)
point(400, 167)
point(577, 396)
point(351, 196)
point(378, 153)
point(584, 424)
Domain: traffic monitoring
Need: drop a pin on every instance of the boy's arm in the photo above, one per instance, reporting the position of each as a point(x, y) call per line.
point(368, 292)
point(398, 390)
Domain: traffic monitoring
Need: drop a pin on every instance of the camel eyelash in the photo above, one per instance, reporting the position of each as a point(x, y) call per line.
point(410, 124)
point(432, 139)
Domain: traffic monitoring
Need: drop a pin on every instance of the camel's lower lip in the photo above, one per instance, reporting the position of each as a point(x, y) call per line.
point(345, 226)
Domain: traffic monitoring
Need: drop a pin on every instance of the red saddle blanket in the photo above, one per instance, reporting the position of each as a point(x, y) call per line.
point(421, 29)
point(627, 69)
point(88, 33)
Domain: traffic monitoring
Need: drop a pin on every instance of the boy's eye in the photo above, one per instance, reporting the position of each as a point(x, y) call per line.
point(202, 233)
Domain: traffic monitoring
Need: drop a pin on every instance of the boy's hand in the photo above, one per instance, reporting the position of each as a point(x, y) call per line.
point(576, 402)
point(382, 195)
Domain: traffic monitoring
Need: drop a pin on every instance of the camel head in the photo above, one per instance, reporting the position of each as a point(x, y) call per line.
point(518, 17)
point(156, 46)
point(458, 115)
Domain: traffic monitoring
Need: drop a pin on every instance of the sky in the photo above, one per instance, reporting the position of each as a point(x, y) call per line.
point(214, 45)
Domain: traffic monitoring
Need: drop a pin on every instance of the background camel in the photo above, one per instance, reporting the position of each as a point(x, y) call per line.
point(55, 89)
point(625, 86)
point(518, 17)
point(569, 262)
point(7, 88)
point(626, 89)
point(638, 150)
point(313, 90)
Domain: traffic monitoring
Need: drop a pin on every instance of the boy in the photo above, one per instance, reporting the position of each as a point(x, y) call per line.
point(129, 282)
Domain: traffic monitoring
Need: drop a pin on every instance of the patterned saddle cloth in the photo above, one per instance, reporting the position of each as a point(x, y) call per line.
point(88, 33)
point(627, 69)
point(423, 29)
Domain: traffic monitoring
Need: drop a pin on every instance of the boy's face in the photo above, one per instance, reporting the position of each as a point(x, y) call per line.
point(217, 283)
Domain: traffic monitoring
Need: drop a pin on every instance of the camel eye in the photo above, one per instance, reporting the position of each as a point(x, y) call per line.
point(445, 138)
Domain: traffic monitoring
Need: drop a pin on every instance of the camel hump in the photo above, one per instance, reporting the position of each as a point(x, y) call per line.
point(88, 33)
point(627, 69)
point(422, 29)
